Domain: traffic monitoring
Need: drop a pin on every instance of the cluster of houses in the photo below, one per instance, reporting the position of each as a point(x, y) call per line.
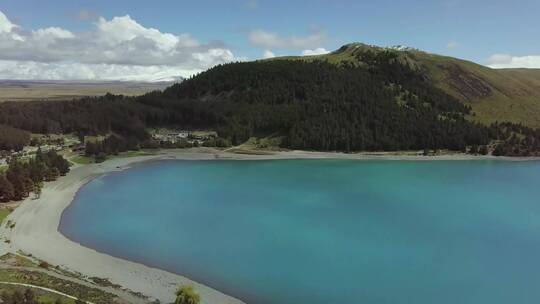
point(70, 142)
point(46, 143)
point(175, 136)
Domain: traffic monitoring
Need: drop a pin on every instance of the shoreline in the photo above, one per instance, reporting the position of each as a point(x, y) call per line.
point(36, 233)
point(37, 220)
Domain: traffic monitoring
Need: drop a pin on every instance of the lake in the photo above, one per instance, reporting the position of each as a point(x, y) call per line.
point(325, 231)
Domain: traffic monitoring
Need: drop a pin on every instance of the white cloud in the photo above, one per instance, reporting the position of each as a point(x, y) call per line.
point(214, 56)
point(11, 69)
point(270, 40)
point(268, 54)
point(53, 33)
point(504, 61)
point(317, 51)
point(124, 29)
point(120, 46)
point(5, 24)
point(452, 45)
point(499, 59)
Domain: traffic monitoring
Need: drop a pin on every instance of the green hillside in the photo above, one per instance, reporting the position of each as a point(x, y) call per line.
point(494, 94)
point(358, 98)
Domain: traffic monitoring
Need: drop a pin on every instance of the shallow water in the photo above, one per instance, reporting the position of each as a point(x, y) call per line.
point(325, 231)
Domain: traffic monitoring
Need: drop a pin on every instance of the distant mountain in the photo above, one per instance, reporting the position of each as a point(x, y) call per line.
point(494, 94)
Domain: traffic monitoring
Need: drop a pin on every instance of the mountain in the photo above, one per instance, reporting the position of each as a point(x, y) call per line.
point(358, 98)
point(374, 103)
point(494, 94)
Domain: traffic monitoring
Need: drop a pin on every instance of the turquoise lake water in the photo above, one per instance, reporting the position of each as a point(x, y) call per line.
point(325, 231)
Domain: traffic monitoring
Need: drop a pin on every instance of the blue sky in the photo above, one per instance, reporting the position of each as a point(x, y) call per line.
point(499, 33)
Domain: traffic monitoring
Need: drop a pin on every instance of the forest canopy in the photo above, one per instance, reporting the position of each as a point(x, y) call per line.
point(13, 138)
point(24, 177)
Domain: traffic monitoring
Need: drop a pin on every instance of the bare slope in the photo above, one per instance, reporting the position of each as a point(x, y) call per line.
point(494, 95)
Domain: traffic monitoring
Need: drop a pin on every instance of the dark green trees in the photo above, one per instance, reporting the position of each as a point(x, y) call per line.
point(12, 138)
point(23, 177)
point(483, 150)
point(17, 297)
point(7, 191)
point(111, 145)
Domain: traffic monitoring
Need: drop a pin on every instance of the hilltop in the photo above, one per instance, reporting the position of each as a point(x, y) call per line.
point(493, 94)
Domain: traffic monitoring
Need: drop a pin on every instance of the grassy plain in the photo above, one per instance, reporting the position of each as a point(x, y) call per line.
point(56, 90)
point(4, 212)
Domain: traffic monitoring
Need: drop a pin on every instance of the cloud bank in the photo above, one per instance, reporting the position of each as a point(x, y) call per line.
point(308, 45)
point(505, 61)
point(116, 49)
point(317, 51)
point(267, 54)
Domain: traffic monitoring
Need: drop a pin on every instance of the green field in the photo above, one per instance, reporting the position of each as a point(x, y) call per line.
point(44, 280)
point(84, 160)
point(41, 296)
point(132, 154)
point(3, 214)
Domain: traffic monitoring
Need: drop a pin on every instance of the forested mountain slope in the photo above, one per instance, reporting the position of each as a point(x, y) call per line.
point(494, 94)
point(356, 99)
point(318, 105)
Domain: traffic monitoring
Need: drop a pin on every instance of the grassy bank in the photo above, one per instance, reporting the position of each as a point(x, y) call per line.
point(4, 212)
point(85, 160)
point(43, 297)
point(44, 280)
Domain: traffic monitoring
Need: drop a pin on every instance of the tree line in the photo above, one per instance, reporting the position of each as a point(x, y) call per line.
point(23, 177)
point(113, 145)
point(13, 138)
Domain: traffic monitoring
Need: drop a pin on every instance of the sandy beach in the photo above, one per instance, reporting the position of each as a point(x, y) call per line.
point(36, 232)
point(37, 220)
